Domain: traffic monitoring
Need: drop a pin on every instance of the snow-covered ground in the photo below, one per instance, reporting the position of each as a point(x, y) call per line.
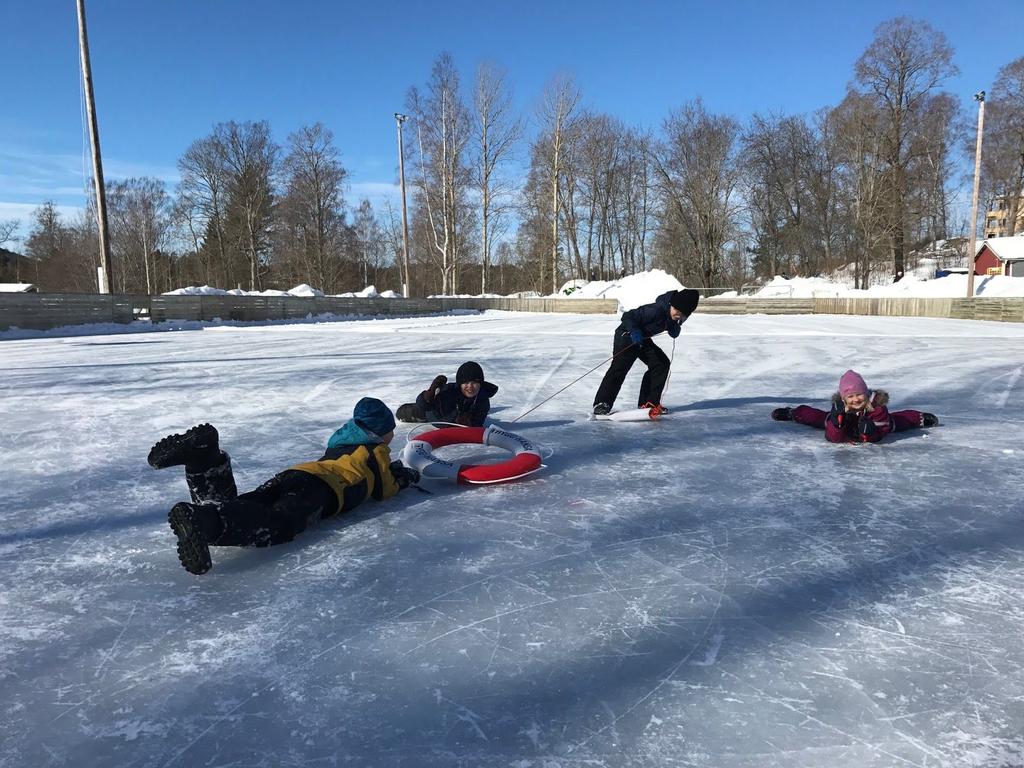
point(713, 589)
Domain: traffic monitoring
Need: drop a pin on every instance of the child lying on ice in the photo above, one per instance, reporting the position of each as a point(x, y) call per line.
point(356, 466)
point(466, 402)
point(857, 414)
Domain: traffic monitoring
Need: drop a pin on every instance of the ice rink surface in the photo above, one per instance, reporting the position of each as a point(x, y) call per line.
point(713, 589)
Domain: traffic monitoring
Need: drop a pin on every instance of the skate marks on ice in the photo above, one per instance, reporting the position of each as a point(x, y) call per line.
point(734, 598)
point(1011, 378)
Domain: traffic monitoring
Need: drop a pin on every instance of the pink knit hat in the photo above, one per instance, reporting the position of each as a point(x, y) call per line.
point(852, 383)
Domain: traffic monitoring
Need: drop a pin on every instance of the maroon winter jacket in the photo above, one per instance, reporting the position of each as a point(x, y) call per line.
point(849, 428)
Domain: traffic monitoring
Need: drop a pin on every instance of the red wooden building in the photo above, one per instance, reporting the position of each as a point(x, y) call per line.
point(1000, 256)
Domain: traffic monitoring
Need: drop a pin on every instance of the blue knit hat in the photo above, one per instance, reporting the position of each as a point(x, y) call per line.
point(370, 413)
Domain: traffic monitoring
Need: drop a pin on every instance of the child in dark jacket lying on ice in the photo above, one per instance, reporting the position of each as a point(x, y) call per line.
point(466, 402)
point(357, 465)
point(857, 414)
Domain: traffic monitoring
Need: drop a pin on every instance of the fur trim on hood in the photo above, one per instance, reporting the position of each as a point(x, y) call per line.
point(879, 398)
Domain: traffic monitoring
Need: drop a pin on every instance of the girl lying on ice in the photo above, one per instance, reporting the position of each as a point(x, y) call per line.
point(857, 414)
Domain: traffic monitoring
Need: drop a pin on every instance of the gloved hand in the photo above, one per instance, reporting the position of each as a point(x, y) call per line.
point(404, 476)
point(866, 426)
point(431, 392)
point(636, 337)
point(838, 414)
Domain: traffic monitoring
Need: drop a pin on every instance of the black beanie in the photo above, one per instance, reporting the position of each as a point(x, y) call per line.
point(469, 371)
point(685, 300)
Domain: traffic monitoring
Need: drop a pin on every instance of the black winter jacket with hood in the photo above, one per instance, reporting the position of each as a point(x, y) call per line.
point(652, 319)
point(453, 406)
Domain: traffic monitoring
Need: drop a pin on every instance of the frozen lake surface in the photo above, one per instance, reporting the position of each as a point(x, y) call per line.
point(713, 589)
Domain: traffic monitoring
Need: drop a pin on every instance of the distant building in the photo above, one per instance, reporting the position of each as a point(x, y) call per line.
point(1000, 256)
point(996, 223)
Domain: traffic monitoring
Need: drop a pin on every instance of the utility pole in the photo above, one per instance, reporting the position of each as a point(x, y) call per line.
point(407, 287)
point(980, 98)
point(107, 280)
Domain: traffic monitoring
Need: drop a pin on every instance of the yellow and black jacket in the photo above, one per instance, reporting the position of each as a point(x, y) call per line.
point(354, 473)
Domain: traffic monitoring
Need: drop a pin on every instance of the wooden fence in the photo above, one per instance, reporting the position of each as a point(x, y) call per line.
point(50, 310)
point(41, 311)
point(1009, 309)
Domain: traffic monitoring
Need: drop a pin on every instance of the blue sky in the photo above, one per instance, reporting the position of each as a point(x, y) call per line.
point(167, 70)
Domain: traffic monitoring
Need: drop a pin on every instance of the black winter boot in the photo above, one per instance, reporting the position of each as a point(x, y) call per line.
point(195, 526)
point(196, 446)
point(602, 409)
point(213, 484)
point(410, 414)
point(782, 414)
point(929, 420)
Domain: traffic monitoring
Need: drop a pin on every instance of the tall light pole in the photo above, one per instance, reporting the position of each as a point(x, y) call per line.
point(406, 288)
point(980, 98)
point(107, 283)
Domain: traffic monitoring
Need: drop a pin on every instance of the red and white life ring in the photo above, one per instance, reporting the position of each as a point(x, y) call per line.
point(418, 454)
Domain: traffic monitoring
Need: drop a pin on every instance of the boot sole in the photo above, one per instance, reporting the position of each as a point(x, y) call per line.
point(193, 552)
point(173, 450)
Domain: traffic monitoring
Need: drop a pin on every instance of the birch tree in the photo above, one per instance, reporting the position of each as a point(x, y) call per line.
point(139, 213)
point(443, 131)
point(557, 118)
point(497, 130)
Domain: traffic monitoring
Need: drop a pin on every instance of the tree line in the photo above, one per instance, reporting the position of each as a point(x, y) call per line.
point(495, 207)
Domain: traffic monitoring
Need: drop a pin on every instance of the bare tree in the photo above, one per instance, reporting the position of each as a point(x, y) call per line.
point(203, 203)
point(698, 175)
point(443, 131)
point(557, 119)
point(865, 188)
point(1003, 159)
point(371, 242)
point(533, 238)
point(250, 157)
point(902, 68)
point(139, 213)
point(63, 256)
point(636, 209)
point(497, 131)
point(313, 204)
point(7, 230)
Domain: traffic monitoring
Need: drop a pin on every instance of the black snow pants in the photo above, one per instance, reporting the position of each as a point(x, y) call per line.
point(626, 353)
point(274, 513)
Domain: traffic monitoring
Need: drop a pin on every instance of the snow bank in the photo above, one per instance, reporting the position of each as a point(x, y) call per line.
point(630, 291)
point(369, 292)
point(303, 290)
point(911, 286)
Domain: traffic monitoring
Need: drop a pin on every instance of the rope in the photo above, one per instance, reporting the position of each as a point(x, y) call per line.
point(668, 376)
point(602, 363)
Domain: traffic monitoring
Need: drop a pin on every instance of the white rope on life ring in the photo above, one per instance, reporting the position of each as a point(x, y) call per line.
point(419, 454)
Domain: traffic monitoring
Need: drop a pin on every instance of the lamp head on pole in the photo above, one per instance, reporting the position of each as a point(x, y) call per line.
point(979, 96)
point(402, 118)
